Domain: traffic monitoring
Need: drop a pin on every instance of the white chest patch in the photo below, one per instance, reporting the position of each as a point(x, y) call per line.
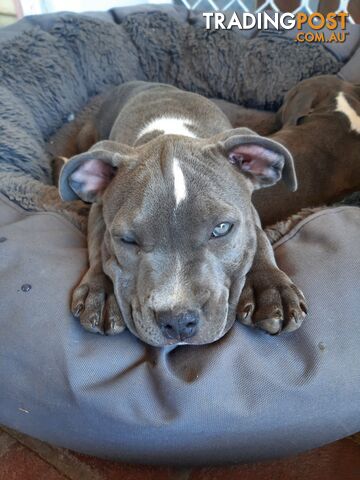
point(343, 106)
point(169, 126)
point(179, 182)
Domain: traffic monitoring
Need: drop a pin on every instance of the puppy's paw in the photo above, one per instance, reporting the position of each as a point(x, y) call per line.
point(270, 301)
point(95, 305)
point(114, 322)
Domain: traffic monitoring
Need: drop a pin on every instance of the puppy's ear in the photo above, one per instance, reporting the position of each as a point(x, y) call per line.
point(263, 160)
point(87, 175)
point(298, 103)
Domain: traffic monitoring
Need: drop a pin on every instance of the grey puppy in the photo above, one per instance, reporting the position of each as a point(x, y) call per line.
point(172, 223)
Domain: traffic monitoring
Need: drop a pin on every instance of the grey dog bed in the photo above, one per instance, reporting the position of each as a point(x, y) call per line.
point(248, 396)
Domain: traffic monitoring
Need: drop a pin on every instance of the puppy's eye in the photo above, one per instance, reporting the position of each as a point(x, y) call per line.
point(128, 240)
point(222, 229)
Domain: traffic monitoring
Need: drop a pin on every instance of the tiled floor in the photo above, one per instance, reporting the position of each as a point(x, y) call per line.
point(23, 458)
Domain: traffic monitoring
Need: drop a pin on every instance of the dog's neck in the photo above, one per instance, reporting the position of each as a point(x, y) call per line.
point(168, 125)
point(168, 111)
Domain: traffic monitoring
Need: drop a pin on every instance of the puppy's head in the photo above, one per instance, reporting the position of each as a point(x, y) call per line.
point(180, 229)
point(317, 98)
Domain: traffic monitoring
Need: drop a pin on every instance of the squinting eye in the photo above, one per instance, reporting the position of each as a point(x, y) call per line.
point(221, 229)
point(129, 240)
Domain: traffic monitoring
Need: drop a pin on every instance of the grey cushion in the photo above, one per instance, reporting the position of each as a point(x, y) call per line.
point(248, 396)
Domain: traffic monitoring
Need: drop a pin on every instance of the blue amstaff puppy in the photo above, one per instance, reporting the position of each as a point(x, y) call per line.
point(172, 223)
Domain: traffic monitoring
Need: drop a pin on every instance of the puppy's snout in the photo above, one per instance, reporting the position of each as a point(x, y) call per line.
point(178, 326)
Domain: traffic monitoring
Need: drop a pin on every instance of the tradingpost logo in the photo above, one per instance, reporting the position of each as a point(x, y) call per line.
point(288, 21)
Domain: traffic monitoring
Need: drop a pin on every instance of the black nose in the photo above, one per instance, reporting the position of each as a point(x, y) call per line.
point(178, 326)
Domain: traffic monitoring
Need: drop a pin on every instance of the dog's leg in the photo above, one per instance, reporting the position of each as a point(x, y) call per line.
point(270, 300)
point(93, 300)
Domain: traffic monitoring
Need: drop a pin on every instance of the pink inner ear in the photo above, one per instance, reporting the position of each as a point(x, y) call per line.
point(93, 176)
point(257, 160)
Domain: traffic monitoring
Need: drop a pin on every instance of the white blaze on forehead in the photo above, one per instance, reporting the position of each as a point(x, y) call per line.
point(343, 106)
point(169, 126)
point(179, 182)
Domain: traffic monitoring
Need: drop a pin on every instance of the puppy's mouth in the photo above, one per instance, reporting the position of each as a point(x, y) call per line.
point(143, 324)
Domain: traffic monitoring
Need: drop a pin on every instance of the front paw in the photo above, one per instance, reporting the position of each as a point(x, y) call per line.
point(270, 301)
point(94, 303)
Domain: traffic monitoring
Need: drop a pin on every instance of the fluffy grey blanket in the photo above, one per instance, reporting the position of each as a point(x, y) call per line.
point(51, 66)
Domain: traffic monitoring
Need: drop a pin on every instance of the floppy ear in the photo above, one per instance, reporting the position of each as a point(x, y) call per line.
point(87, 175)
point(297, 104)
point(263, 160)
